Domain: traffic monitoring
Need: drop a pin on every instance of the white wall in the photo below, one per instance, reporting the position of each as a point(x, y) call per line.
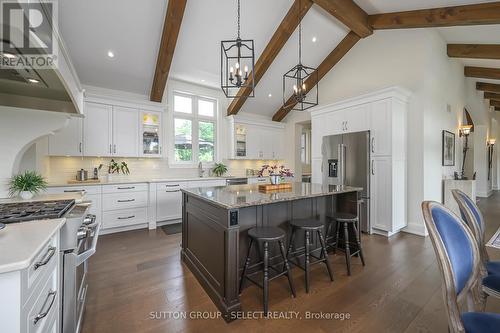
point(415, 59)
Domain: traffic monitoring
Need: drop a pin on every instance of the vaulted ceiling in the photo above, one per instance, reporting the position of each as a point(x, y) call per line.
point(132, 30)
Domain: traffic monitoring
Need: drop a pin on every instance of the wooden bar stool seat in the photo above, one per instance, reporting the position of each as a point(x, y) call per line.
point(265, 236)
point(308, 226)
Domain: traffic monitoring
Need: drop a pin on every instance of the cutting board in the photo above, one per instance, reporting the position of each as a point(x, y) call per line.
point(278, 187)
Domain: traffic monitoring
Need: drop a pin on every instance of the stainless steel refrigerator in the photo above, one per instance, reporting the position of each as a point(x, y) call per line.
point(346, 161)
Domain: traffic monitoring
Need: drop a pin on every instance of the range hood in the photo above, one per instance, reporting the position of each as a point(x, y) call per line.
point(55, 88)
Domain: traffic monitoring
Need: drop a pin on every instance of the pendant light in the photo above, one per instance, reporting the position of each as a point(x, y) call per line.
point(299, 82)
point(237, 64)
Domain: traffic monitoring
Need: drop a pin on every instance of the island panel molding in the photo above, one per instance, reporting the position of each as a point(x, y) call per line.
point(286, 28)
point(326, 65)
point(482, 72)
point(484, 13)
point(474, 51)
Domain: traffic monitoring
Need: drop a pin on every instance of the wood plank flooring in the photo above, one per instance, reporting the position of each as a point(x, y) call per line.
point(137, 284)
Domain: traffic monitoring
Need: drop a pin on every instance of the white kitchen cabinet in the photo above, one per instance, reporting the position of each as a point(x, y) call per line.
point(92, 193)
point(150, 135)
point(69, 140)
point(380, 193)
point(169, 201)
point(381, 125)
point(125, 131)
point(97, 131)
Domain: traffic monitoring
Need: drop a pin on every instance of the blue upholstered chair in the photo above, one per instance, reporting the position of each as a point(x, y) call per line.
point(490, 270)
point(458, 259)
point(472, 216)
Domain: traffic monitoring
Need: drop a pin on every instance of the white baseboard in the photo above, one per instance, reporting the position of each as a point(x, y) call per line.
point(495, 188)
point(416, 228)
point(482, 194)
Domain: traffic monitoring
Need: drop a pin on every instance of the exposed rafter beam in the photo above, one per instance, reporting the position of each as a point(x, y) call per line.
point(280, 37)
point(482, 72)
point(349, 13)
point(489, 87)
point(475, 51)
point(484, 13)
point(493, 96)
point(497, 109)
point(171, 28)
point(495, 103)
point(331, 60)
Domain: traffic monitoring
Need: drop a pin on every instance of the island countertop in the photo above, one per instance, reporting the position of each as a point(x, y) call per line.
point(239, 196)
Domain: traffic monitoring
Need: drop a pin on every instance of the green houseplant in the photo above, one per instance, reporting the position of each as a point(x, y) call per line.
point(219, 169)
point(27, 184)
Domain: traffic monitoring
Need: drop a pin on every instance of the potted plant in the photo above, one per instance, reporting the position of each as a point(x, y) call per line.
point(219, 169)
point(116, 167)
point(277, 174)
point(26, 185)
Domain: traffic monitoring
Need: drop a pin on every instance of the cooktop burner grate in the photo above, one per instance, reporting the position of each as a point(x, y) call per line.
point(34, 210)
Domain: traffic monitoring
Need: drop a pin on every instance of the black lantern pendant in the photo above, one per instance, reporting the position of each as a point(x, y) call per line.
point(302, 82)
point(237, 64)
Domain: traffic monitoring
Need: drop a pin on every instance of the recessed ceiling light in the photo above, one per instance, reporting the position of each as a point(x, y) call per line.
point(33, 81)
point(270, 95)
point(202, 80)
point(9, 55)
point(314, 39)
point(111, 54)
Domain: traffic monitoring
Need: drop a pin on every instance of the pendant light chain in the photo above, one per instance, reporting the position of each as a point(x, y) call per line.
point(239, 26)
point(300, 32)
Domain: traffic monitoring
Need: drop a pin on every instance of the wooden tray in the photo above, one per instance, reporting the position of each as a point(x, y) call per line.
point(277, 187)
point(88, 181)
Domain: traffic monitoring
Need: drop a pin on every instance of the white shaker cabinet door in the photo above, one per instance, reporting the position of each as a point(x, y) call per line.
point(381, 125)
point(380, 193)
point(125, 132)
point(97, 129)
point(67, 141)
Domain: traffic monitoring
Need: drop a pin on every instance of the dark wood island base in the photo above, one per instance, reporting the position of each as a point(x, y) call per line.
point(215, 222)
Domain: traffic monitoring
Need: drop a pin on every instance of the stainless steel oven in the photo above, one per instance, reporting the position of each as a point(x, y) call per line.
point(78, 243)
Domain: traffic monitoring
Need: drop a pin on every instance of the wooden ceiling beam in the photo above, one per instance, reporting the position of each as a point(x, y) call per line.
point(349, 13)
point(488, 87)
point(328, 63)
point(482, 72)
point(494, 96)
point(495, 103)
point(474, 51)
point(171, 28)
point(497, 109)
point(483, 13)
point(278, 40)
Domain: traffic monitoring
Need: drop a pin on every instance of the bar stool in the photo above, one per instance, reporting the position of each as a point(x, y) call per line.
point(308, 226)
point(266, 235)
point(346, 221)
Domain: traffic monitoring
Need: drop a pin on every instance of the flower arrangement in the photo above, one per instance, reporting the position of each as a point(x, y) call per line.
point(116, 167)
point(276, 173)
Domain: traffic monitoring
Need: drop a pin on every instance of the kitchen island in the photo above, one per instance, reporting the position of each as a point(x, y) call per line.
point(215, 222)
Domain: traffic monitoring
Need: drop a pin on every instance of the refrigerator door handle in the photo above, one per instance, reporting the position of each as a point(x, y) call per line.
point(342, 156)
point(373, 145)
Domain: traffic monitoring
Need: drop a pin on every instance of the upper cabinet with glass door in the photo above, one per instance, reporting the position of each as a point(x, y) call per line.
point(150, 135)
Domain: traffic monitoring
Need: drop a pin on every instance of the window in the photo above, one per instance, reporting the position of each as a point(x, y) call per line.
point(195, 124)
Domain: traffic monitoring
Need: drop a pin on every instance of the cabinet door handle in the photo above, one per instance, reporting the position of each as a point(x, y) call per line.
point(110, 149)
point(114, 149)
point(126, 188)
point(128, 200)
point(80, 147)
point(43, 313)
point(373, 168)
point(46, 258)
point(172, 191)
point(126, 217)
point(373, 145)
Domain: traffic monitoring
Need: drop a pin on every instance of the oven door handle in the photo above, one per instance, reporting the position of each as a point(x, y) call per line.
point(84, 256)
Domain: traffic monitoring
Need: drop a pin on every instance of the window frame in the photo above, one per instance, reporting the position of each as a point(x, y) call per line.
point(195, 119)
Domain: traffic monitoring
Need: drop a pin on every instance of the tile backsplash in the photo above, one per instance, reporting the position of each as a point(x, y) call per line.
point(62, 169)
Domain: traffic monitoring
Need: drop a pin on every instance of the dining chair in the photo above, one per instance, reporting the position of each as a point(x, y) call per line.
point(458, 259)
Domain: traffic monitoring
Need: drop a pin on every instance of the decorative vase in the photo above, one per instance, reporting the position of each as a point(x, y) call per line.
point(26, 195)
point(275, 179)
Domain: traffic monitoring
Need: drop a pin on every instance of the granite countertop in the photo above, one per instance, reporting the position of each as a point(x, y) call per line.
point(20, 242)
point(238, 196)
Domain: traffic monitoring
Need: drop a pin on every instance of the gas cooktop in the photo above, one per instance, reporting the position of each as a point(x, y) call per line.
point(34, 210)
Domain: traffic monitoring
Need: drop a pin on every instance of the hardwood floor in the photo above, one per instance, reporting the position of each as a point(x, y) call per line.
point(138, 284)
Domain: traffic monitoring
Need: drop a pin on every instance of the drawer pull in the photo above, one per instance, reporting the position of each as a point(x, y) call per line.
point(43, 314)
point(172, 191)
point(50, 253)
point(127, 217)
point(176, 185)
point(129, 200)
point(75, 191)
point(126, 188)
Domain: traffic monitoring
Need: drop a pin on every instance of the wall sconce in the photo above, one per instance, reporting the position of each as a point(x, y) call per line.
point(490, 144)
point(464, 130)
